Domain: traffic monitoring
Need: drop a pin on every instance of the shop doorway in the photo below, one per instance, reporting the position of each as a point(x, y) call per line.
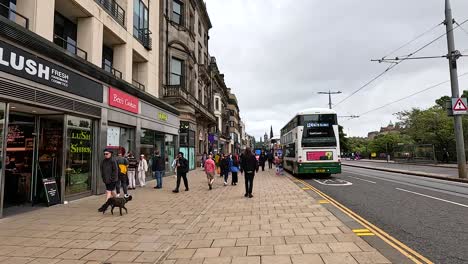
point(34, 151)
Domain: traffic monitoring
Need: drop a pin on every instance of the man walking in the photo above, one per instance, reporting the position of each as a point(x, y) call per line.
point(109, 174)
point(262, 160)
point(158, 167)
point(182, 169)
point(270, 159)
point(210, 168)
point(122, 163)
point(249, 164)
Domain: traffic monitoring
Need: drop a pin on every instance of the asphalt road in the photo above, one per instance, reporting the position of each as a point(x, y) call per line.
point(428, 215)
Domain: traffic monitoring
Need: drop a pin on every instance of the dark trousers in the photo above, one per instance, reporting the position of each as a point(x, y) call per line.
point(263, 166)
point(184, 176)
point(270, 164)
point(225, 173)
point(234, 177)
point(249, 177)
point(123, 184)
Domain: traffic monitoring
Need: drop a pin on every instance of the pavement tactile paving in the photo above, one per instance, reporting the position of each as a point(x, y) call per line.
point(281, 224)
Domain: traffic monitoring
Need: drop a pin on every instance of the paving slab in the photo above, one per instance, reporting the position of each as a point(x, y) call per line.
point(280, 224)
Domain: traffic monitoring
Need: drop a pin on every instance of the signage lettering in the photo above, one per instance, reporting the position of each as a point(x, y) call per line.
point(123, 101)
point(23, 64)
point(309, 125)
point(81, 141)
point(162, 116)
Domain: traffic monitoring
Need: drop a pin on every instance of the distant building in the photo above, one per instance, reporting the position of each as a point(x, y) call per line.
point(372, 135)
point(391, 128)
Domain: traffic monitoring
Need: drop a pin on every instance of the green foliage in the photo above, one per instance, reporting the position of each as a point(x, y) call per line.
point(385, 143)
point(343, 140)
point(356, 144)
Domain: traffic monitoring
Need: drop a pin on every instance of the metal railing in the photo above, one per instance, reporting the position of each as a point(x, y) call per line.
point(138, 85)
point(143, 36)
point(70, 47)
point(114, 9)
point(108, 68)
point(178, 92)
point(12, 15)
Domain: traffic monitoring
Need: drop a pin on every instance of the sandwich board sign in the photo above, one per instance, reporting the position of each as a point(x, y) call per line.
point(51, 189)
point(459, 106)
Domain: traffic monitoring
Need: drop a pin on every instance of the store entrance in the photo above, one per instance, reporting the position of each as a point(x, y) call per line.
point(34, 151)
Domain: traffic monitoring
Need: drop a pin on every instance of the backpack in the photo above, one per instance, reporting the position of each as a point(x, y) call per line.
point(122, 169)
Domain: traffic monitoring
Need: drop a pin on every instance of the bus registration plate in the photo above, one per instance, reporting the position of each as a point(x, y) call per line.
point(320, 170)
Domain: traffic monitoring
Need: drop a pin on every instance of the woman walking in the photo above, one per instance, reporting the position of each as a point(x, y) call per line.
point(132, 167)
point(235, 169)
point(224, 163)
point(142, 169)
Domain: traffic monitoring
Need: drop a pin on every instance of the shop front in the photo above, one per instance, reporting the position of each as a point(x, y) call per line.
point(48, 120)
point(187, 142)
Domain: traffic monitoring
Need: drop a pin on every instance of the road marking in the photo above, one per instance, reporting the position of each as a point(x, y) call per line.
point(360, 230)
point(393, 242)
point(362, 179)
point(363, 232)
point(322, 201)
point(432, 197)
point(334, 182)
point(305, 188)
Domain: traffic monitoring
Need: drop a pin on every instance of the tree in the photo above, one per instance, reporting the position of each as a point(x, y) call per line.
point(343, 140)
point(385, 143)
point(271, 132)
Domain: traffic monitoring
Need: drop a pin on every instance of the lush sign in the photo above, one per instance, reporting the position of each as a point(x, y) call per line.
point(80, 141)
point(23, 64)
point(162, 116)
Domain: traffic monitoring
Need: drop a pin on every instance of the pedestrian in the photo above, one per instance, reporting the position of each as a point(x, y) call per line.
point(262, 160)
point(142, 169)
point(249, 165)
point(110, 176)
point(182, 169)
point(122, 163)
point(174, 167)
point(270, 159)
point(132, 167)
point(210, 168)
point(217, 161)
point(204, 157)
point(235, 169)
point(445, 156)
point(224, 164)
point(158, 166)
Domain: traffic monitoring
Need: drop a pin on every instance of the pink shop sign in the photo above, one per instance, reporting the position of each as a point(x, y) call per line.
point(123, 101)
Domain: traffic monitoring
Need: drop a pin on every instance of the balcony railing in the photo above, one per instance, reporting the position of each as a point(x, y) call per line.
point(71, 47)
point(116, 11)
point(143, 36)
point(177, 91)
point(138, 85)
point(108, 68)
point(11, 14)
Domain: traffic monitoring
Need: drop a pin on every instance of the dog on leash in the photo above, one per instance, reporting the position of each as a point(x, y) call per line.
point(116, 202)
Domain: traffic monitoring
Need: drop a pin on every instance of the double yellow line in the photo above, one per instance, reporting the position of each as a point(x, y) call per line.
point(370, 228)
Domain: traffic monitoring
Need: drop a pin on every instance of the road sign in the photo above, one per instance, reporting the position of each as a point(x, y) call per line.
point(459, 106)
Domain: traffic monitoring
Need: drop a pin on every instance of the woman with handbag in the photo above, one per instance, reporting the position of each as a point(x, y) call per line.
point(235, 169)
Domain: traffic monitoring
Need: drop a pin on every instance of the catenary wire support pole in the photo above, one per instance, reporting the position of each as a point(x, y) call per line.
point(329, 97)
point(452, 56)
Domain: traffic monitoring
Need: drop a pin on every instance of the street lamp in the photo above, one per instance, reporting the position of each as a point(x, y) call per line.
point(329, 97)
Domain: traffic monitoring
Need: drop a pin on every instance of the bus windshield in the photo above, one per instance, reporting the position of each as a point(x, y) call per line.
point(318, 130)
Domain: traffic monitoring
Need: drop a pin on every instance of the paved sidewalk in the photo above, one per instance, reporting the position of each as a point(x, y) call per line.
point(281, 224)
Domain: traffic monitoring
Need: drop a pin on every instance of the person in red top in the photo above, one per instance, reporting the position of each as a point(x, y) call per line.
point(210, 168)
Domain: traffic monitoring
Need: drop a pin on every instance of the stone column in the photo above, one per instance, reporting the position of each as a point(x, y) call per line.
point(40, 14)
point(90, 38)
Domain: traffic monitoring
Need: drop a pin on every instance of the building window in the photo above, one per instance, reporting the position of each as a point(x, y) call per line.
point(217, 104)
point(107, 58)
point(200, 58)
point(199, 28)
point(177, 14)
point(140, 18)
point(65, 33)
point(176, 71)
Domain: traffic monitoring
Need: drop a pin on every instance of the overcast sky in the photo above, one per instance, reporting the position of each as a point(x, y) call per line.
point(277, 54)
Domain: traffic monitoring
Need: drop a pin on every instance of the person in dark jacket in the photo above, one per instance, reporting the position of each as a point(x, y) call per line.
point(182, 169)
point(270, 159)
point(158, 166)
point(249, 165)
point(224, 164)
point(122, 163)
point(110, 176)
point(262, 160)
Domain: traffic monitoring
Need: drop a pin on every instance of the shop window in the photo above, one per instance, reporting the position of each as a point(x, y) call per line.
point(120, 139)
point(65, 33)
point(78, 170)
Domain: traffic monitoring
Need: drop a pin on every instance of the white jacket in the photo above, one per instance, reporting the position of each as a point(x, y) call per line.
point(143, 165)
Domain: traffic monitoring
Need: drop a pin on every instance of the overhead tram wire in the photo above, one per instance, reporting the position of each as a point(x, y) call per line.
point(396, 63)
point(408, 96)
